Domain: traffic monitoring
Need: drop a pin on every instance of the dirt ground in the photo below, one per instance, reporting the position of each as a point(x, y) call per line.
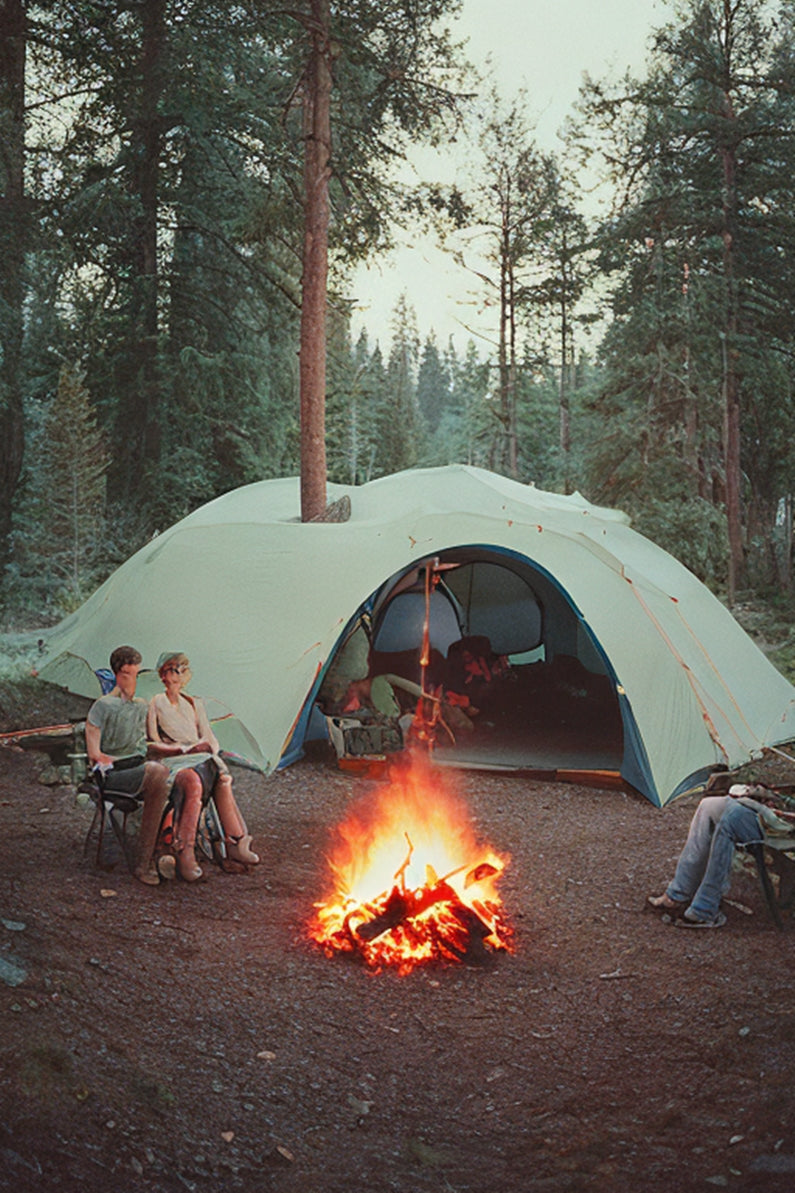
point(193, 1037)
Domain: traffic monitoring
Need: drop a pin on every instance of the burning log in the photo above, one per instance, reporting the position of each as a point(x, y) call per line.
point(454, 917)
point(406, 905)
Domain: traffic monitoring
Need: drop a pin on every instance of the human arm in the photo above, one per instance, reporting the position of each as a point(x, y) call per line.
point(208, 742)
point(93, 746)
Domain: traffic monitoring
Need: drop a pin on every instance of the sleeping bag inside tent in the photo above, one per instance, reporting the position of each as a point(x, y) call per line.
point(561, 641)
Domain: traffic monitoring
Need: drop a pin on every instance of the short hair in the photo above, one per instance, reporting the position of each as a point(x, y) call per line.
point(171, 658)
point(124, 656)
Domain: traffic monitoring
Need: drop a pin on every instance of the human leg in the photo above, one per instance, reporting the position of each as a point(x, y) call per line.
point(154, 789)
point(189, 788)
point(234, 826)
point(737, 825)
point(693, 859)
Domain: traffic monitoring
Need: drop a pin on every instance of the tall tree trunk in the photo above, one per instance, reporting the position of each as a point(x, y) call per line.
point(566, 364)
point(731, 381)
point(312, 372)
point(508, 454)
point(13, 236)
point(139, 413)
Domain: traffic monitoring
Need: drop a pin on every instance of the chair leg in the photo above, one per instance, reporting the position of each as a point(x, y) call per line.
point(757, 852)
point(210, 834)
point(102, 813)
point(784, 866)
point(91, 830)
point(107, 814)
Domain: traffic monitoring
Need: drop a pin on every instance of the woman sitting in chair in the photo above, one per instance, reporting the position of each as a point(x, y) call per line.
point(177, 730)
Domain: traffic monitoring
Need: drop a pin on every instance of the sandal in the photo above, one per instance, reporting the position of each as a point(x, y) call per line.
point(147, 875)
point(688, 920)
point(239, 850)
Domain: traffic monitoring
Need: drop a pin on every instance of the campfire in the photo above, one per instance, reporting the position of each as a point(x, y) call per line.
point(410, 882)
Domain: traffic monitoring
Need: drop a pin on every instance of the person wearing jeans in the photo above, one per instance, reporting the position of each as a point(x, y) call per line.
point(703, 872)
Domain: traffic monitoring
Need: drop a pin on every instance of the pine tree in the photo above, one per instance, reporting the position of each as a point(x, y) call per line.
point(707, 143)
point(63, 540)
point(397, 415)
point(14, 234)
point(507, 202)
point(433, 386)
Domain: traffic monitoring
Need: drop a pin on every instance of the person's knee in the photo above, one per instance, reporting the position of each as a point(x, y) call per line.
point(739, 822)
point(190, 785)
point(714, 807)
point(155, 779)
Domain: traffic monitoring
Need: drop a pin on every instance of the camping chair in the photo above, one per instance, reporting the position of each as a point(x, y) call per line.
point(114, 809)
point(781, 854)
point(111, 809)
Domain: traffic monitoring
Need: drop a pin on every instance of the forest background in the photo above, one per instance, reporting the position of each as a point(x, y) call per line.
point(153, 206)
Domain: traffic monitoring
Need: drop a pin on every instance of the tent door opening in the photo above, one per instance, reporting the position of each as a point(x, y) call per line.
point(523, 682)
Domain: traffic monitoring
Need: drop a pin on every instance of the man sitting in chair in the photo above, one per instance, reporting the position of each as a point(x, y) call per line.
point(116, 744)
point(703, 872)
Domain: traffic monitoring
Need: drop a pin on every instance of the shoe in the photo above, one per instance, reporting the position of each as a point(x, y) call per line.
point(167, 866)
point(147, 875)
point(187, 869)
point(239, 850)
point(689, 920)
point(664, 902)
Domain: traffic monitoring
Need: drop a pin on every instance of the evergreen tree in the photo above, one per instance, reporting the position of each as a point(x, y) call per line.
point(61, 525)
point(472, 401)
point(14, 230)
point(507, 202)
point(433, 386)
point(372, 390)
point(707, 143)
point(396, 415)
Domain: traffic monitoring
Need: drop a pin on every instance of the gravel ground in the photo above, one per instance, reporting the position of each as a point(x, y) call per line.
point(193, 1036)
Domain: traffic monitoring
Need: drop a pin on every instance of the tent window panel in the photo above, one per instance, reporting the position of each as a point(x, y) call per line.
point(403, 621)
point(499, 605)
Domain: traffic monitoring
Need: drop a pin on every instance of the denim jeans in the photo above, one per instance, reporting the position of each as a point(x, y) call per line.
point(703, 872)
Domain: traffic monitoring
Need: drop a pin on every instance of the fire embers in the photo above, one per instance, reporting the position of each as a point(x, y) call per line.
point(411, 883)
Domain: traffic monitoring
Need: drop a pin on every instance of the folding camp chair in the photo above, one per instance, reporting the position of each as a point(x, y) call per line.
point(112, 811)
point(779, 853)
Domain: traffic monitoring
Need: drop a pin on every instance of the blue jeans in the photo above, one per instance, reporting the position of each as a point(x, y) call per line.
point(703, 872)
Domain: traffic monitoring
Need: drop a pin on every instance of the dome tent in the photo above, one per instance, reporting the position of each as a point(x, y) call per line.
point(261, 602)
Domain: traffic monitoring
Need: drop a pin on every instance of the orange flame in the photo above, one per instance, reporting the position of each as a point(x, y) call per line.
point(411, 884)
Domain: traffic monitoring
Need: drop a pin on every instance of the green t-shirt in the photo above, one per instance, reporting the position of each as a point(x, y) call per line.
point(122, 725)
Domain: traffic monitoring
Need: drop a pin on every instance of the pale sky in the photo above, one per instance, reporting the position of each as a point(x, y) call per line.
point(544, 46)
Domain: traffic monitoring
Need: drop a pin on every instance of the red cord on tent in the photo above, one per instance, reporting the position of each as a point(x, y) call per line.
point(429, 705)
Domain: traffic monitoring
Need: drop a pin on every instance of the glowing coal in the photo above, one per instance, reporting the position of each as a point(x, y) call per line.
point(410, 883)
